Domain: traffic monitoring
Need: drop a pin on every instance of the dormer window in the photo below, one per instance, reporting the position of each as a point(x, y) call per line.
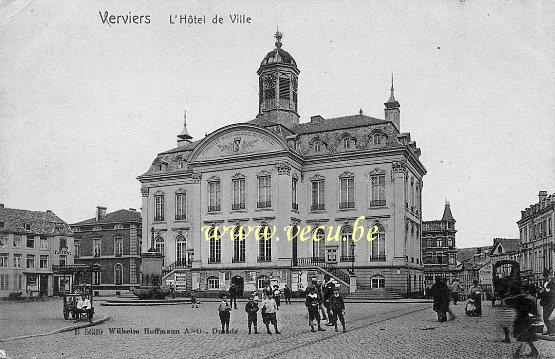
point(317, 147)
point(159, 167)
point(346, 143)
point(27, 226)
point(118, 226)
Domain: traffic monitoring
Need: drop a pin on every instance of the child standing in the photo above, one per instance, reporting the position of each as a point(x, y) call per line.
point(337, 308)
point(252, 308)
point(194, 301)
point(224, 308)
point(287, 294)
point(269, 308)
point(313, 305)
point(277, 296)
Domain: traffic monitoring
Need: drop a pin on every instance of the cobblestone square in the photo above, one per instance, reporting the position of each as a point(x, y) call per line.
point(377, 330)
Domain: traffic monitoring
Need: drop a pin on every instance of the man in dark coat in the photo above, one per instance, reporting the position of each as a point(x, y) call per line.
point(328, 289)
point(233, 296)
point(547, 301)
point(337, 308)
point(440, 293)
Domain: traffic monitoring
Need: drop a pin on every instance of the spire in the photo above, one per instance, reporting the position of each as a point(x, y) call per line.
point(447, 215)
point(184, 135)
point(392, 103)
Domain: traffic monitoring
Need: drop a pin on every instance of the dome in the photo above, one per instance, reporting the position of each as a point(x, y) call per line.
point(278, 55)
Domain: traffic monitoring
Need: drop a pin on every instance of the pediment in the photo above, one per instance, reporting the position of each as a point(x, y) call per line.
point(238, 141)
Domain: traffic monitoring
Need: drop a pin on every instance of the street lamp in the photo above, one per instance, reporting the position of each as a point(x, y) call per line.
point(352, 258)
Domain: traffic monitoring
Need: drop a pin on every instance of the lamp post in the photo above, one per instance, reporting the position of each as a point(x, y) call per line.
point(352, 258)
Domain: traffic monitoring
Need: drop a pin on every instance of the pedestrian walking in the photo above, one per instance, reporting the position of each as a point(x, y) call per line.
point(287, 294)
point(172, 290)
point(440, 293)
point(547, 302)
point(277, 296)
point(252, 313)
point(312, 303)
point(194, 300)
point(224, 311)
point(233, 295)
point(320, 293)
point(475, 294)
point(526, 315)
point(269, 309)
point(455, 290)
point(337, 309)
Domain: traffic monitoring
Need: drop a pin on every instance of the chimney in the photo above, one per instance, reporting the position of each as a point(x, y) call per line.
point(1, 205)
point(100, 212)
point(542, 195)
point(479, 250)
point(316, 119)
point(132, 209)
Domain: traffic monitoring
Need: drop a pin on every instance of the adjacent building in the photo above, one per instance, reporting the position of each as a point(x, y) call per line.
point(113, 241)
point(275, 171)
point(30, 243)
point(439, 254)
point(537, 238)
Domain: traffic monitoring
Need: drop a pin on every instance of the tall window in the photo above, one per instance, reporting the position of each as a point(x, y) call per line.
point(30, 242)
point(378, 191)
point(294, 202)
point(30, 261)
point(346, 143)
point(214, 196)
point(96, 278)
point(3, 259)
point(265, 244)
point(319, 245)
point(77, 248)
point(264, 192)
point(215, 246)
point(3, 240)
point(262, 282)
point(239, 245)
point(318, 195)
point(347, 192)
point(412, 194)
point(118, 246)
point(317, 146)
point(238, 194)
point(160, 246)
point(180, 206)
point(159, 207)
point(63, 243)
point(118, 274)
point(17, 240)
point(181, 250)
point(347, 244)
point(17, 260)
point(43, 262)
point(63, 260)
point(378, 245)
point(96, 247)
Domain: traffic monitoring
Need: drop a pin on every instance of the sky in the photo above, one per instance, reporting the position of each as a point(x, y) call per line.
point(85, 107)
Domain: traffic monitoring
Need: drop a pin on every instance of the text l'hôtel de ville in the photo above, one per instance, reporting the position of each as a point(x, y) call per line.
point(180, 19)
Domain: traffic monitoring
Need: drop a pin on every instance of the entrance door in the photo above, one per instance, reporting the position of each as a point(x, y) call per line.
point(43, 285)
point(239, 284)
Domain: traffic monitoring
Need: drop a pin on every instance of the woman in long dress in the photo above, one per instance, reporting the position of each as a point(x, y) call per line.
point(526, 312)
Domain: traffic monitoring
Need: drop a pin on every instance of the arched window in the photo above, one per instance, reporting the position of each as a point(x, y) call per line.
point(181, 250)
point(265, 244)
point(378, 245)
point(318, 245)
point(262, 282)
point(377, 281)
point(160, 247)
point(118, 274)
point(347, 244)
point(215, 246)
point(213, 283)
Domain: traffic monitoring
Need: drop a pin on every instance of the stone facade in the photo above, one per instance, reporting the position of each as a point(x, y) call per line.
point(537, 240)
point(30, 243)
point(275, 171)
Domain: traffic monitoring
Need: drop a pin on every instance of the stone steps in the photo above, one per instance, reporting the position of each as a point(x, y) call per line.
point(374, 294)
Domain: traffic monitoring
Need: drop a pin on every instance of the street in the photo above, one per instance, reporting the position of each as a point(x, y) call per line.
point(179, 331)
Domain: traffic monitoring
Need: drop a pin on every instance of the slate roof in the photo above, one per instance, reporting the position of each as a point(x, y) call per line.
point(510, 245)
point(121, 216)
point(188, 146)
point(465, 254)
point(337, 123)
point(46, 223)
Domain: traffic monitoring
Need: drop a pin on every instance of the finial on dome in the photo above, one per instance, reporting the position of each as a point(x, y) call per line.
point(184, 135)
point(278, 35)
point(360, 112)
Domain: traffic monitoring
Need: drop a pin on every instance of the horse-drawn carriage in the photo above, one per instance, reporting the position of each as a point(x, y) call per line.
point(506, 281)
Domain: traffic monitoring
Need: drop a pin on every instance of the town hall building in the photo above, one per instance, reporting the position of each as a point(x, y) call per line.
point(275, 171)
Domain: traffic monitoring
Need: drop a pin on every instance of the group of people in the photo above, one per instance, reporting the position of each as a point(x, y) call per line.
point(442, 294)
point(320, 298)
point(83, 306)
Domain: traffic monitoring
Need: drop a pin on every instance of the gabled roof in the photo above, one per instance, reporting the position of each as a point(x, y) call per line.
point(510, 245)
point(121, 216)
point(41, 222)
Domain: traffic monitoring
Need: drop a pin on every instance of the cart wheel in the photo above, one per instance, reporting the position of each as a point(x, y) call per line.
point(66, 315)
